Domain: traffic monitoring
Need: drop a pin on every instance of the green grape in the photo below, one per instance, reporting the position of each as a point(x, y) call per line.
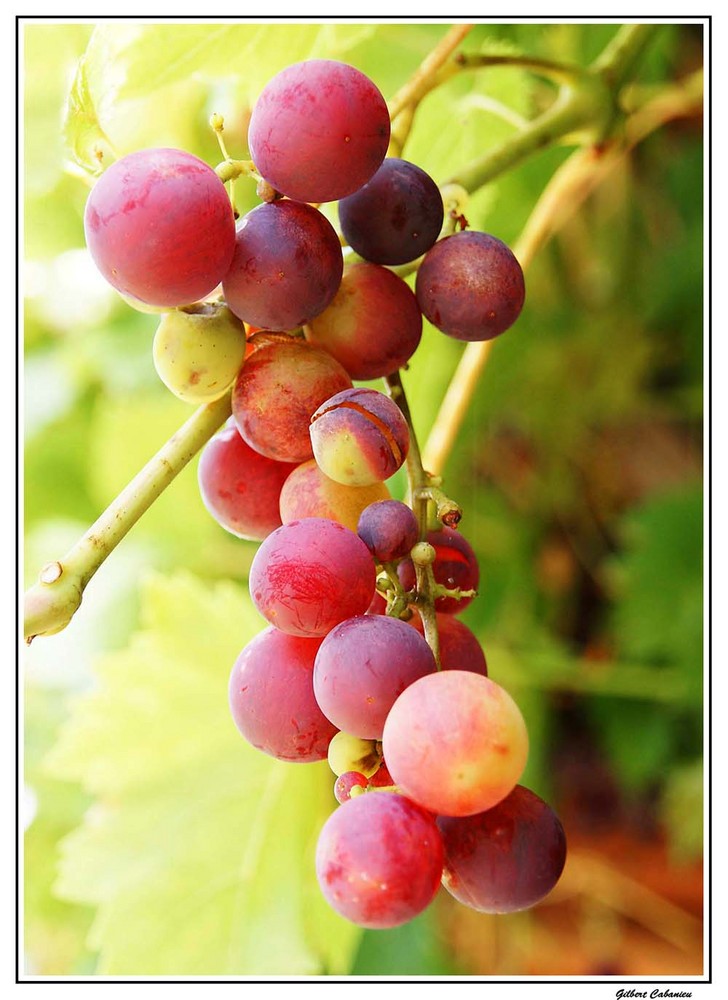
point(349, 753)
point(198, 351)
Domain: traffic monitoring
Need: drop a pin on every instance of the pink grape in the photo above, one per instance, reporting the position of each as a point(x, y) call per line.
point(309, 575)
point(272, 700)
point(319, 130)
point(309, 493)
point(507, 858)
point(379, 859)
point(455, 742)
point(160, 227)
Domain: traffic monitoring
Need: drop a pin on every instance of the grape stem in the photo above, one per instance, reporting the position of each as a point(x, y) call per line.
point(53, 600)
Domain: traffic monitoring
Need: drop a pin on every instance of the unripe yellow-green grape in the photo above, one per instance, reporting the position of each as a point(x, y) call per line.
point(198, 350)
point(350, 753)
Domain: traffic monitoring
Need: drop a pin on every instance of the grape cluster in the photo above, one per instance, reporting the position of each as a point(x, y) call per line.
point(427, 755)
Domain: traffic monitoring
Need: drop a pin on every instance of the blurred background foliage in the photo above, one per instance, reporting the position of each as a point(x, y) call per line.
point(157, 843)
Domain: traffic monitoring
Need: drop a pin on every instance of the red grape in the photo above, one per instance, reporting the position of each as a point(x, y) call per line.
point(309, 575)
point(379, 859)
point(455, 742)
point(470, 286)
point(455, 566)
point(309, 493)
point(396, 216)
point(240, 487)
point(504, 859)
point(346, 782)
point(459, 648)
point(318, 130)
point(286, 268)
point(362, 666)
point(272, 700)
point(160, 227)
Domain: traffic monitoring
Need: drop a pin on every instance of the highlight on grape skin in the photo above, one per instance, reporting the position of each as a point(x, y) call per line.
point(455, 567)
point(455, 742)
point(470, 286)
point(239, 487)
point(345, 122)
point(379, 859)
point(300, 565)
point(359, 437)
point(308, 492)
point(507, 858)
point(459, 647)
point(160, 227)
point(396, 216)
point(372, 326)
point(277, 391)
point(286, 267)
point(362, 666)
point(389, 529)
point(198, 351)
point(272, 700)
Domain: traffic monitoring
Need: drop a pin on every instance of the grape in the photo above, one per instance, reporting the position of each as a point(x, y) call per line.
point(309, 493)
point(507, 858)
point(239, 487)
point(346, 783)
point(455, 566)
point(373, 325)
point(160, 227)
point(309, 575)
point(455, 742)
point(381, 777)
point(198, 350)
point(277, 391)
point(351, 753)
point(318, 130)
point(272, 701)
point(286, 268)
point(459, 648)
point(395, 217)
point(389, 529)
point(470, 286)
point(359, 437)
point(362, 666)
point(379, 860)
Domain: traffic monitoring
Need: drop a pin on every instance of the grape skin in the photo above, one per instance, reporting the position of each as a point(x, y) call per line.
point(396, 216)
point(301, 566)
point(272, 700)
point(318, 130)
point(307, 492)
point(459, 647)
point(389, 529)
point(507, 858)
point(239, 487)
point(286, 268)
point(455, 742)
point(160, 227)
point(379, 860)
point(470, 286)
point(346, 782)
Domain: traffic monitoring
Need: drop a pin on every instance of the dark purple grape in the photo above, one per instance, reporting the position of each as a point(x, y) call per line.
point(160, 227)
point(286, 268)
point(389, 529)
point(272, 700)
point(459, 648)
point(319, 130)
point(363, 665)
point(470, 286)
point(346, 782)
point(395, 217)
point(240, 487)
point(309, 575)
point(379, 859)
point(507, 858)
point(455, 566)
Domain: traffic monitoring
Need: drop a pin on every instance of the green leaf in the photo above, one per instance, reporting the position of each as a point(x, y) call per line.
point(86, 140)
point(199, 849)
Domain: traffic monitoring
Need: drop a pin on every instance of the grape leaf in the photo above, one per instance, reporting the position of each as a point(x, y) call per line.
point(198, 851)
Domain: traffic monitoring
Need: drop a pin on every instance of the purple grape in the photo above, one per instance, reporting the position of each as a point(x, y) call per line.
point(286, 268)
point(319, 130)
point(363, 665)
point(389, 529)
point(507, 858)
point(272, 700)
point(379, 860)
point(395, 217)
point(309, 575)
point(455, 566)
point(470, 286)
point(160, 227)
